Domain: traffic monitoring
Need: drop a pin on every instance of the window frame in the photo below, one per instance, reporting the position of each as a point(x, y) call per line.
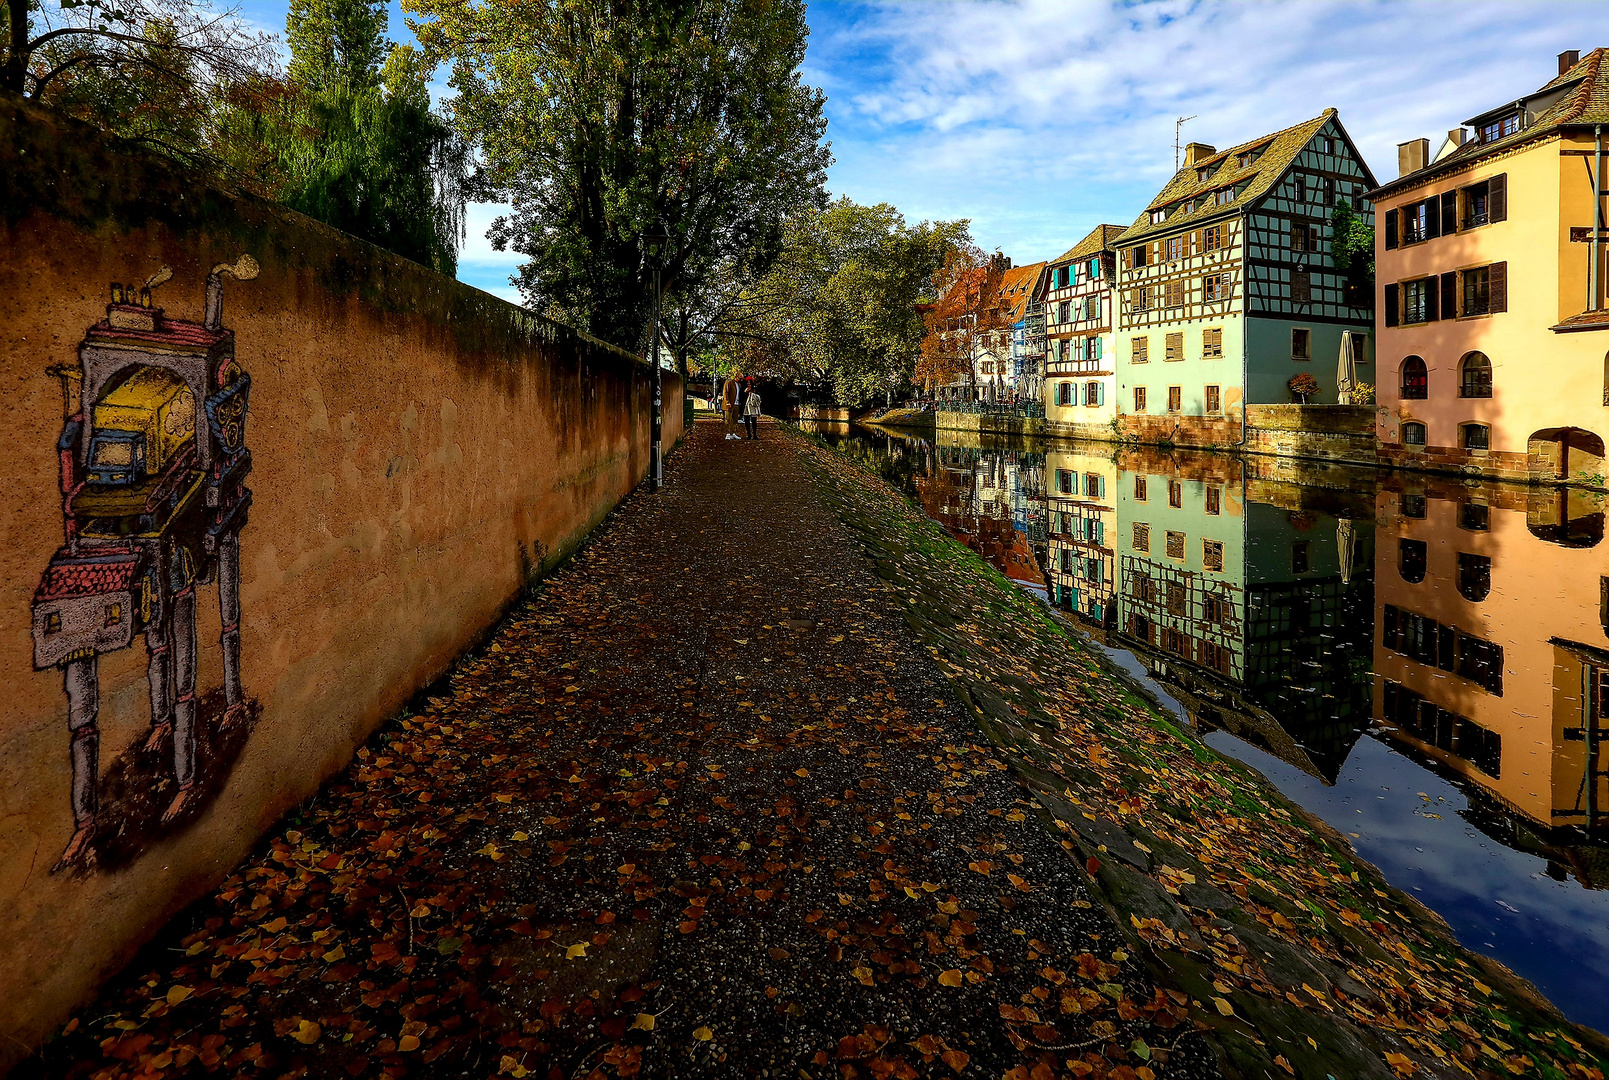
point(1421, 383)
point(1402, 434)
point(1475, 379)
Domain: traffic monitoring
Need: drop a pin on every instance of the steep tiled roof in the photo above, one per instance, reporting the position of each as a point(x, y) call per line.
point(1099, 239)
point(1585, 102)
point(87, 577)
point(1222, 170)
point(1017, 288)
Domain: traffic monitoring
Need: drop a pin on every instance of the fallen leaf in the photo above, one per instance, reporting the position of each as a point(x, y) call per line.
point(950, 978)
point(408, 1042)
point(956, 1059)
point(578, 949)
point(644, 1022)
point(307, 1032)
point(1224, 1007)
point(703, 1034)
point(177, 994)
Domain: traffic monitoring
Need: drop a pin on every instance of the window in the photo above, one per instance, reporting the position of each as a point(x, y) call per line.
point(1475, 377)
point(1212, 238)
point(1203, 173)
point(1215, 610)
point(1212, 343)
point(1247, 159)
point(1173, 248)
point(1140, 350)
point(1175, 399)
point(1212, 555)
point(1173, 293)
point(1326, 144)
point(1158, 216)
point(1413, 434)
point(1474, 576)
point(1413, 506)
point(1139, 399)
point(1327, 186)
point(1064, 393)
point(114, 614)
point(1095, 268)
point(1417, 300)
point(1411, 561)
point(1415, 379)
point(1476, 437)
point(1175, 493)
point(1477, 205)
point(1477, 298)
point(1142, 536)
point(1064, 311)
point(1299, 187)
point(1224, 197)
point(1093, 394)
point(1176, 598)
point(1214, 401)
point(1140, 299)
point(1215, 287)
point(1062, 277)
point(1174, 347)
point(1091, 308)
point(1175, 545)
point(1415, 222)
point(1474, 516)
point(1137, 256)
point(1093, 485)
point(1500, 128)
point(1301, 286)
point(1304, 236)
point(1064, 482)
point(1139, 489)
point(1301, 344)
point(53, 622)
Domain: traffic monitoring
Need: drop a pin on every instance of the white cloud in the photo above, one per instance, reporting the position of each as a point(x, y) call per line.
point(1039, 119)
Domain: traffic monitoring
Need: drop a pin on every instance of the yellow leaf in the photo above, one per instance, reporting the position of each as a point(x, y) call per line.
point(337, 953)
point(703, 1034)
point(420, 910)
point(801, 772)
point(912, 893)
point(505, 798)
point(626, 868)
point(517, 837)
point(408, 1042)
point(1401, 1064)
point(863, 974)
point(950, 978)
point(508, 1064)
point(276, 926)
point(177, 994)
point(1224, 1008)
point(1483, 988)
point(307, 1033)
point(956, 1059)
point(644, 1022)
point(578, 949)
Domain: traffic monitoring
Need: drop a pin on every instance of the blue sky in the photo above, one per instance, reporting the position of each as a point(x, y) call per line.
point(1039, 119)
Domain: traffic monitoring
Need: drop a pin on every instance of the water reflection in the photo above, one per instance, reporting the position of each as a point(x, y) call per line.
point(1423, 663)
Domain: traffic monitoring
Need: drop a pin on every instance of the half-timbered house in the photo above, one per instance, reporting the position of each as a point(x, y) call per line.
point(1227, 288)
point(1080, 376)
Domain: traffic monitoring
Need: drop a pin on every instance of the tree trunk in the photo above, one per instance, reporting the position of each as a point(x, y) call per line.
point(14, 74)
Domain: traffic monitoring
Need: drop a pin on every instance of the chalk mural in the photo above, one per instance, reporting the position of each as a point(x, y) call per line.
point(153, 462)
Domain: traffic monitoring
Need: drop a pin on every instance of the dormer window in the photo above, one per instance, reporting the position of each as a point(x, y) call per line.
point(1500, 128)
point(1158, 216)
point(1202, 174)
point(1247, 159)
point(1224, 197)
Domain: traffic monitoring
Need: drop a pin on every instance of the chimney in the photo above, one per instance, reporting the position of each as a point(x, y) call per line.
point(1412, 156)
point(1568, 60)
point(1197, 151)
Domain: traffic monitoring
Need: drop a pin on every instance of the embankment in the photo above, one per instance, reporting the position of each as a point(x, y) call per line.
point(379, 457)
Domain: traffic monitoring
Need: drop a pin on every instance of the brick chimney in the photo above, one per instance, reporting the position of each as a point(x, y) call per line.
point(1197, 151)
point(1412, 156)
point(1456, 136)
point(1568, 60)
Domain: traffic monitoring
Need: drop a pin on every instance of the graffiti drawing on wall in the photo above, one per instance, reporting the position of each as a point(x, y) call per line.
point(153, 463)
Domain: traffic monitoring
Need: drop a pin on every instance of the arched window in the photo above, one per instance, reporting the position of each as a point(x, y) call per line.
point(1415, 382)
point(1411, 561)
point(1474, 576)
point(1413, 434)
point(1475, 376)
point(1476, 436)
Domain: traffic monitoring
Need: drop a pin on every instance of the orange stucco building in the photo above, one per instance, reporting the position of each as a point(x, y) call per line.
point(1489, 288)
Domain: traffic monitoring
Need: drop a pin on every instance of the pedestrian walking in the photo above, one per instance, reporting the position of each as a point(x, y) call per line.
point(751, 413)
point(729, 407)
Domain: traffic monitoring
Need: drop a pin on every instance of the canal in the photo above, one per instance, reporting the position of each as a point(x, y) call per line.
point(1423, 662)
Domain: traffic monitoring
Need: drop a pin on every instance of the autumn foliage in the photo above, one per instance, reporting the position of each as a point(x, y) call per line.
point(966, 316)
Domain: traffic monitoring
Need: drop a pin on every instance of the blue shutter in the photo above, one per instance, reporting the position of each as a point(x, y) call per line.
point(1095, 349)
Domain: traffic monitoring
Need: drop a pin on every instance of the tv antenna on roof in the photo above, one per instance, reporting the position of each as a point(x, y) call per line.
point(1177, 124)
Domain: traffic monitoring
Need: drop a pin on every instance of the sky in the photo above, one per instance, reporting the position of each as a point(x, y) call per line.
point(1039, 119)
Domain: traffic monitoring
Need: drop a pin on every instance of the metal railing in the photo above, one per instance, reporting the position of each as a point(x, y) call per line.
point(1026, 409)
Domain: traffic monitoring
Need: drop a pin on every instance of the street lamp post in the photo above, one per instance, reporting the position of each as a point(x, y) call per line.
point(656, 240)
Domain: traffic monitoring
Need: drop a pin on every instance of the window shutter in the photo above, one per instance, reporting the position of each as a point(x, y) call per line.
point(1100, 399)
point(1499, 286)
point(1391, 304)
point(1449, 295)
point(1497, 198)
point(1432, 218)
point(1128, 259)
point(1449, 212)
point(1391, 229)
point(1431, 314)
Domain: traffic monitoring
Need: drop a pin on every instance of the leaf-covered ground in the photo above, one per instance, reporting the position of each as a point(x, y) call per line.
point(775, 779)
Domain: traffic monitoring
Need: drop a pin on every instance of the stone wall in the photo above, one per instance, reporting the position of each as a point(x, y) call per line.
point(1341, 433)
point(343, 476)
point(820, 412)
point(1031, 426)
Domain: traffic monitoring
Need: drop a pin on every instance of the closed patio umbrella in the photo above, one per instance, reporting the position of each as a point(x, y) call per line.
point(1344, 544)
point(1346, 372)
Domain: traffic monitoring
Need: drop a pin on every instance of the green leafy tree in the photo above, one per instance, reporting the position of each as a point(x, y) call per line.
point(608, 123)
point(1352, 243)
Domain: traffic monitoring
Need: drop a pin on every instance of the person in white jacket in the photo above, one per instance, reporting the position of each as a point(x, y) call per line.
point(751, 414)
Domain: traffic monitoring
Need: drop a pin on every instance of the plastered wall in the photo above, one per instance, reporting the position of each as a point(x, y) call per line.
point(404, 454)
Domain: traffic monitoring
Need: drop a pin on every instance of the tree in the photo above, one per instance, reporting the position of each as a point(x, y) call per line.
point(1352, 248)
point(967, 317)
point(608, 122)
point(350, 141)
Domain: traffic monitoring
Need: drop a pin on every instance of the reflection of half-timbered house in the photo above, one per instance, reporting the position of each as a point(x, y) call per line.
point(1082, 534)
point(1080, 376)
point(1227, 287)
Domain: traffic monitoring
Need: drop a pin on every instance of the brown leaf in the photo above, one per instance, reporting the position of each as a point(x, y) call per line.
point(956, 1059)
